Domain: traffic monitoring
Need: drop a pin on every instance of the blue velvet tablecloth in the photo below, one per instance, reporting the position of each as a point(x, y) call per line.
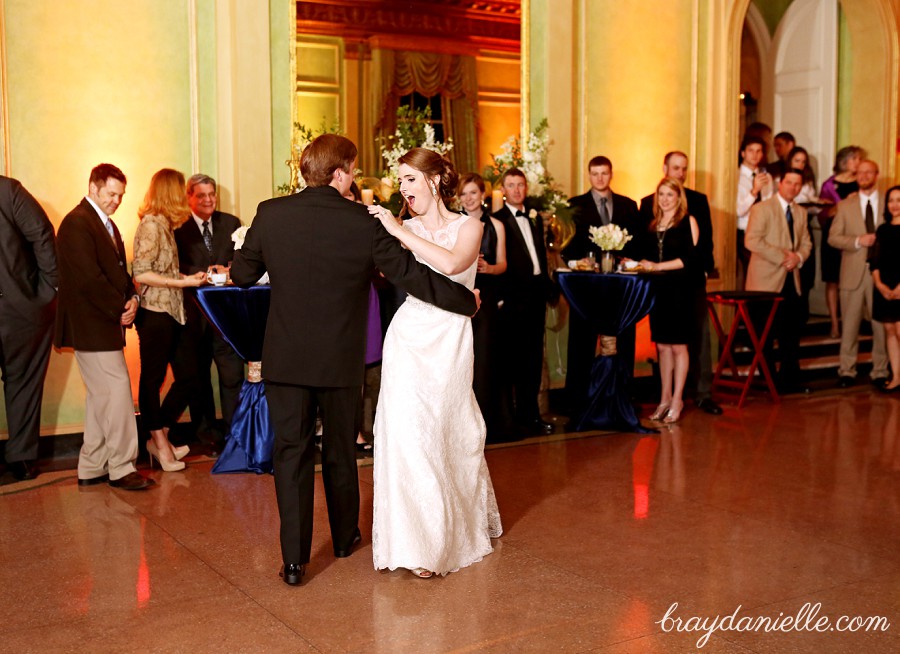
point(240, 316)
point(610, 304)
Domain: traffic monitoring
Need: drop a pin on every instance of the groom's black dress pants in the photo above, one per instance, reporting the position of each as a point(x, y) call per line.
point(293, 412)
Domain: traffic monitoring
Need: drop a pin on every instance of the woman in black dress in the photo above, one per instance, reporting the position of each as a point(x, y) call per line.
point(886, 276)
point(669, 246)
point(836, 188)
point(491, 266)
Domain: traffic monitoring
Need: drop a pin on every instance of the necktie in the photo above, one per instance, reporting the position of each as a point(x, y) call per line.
point(758, 197)
point(207, 237)
point(604, 212)
point(790, 223)
point(870, 225)
point(109, 228)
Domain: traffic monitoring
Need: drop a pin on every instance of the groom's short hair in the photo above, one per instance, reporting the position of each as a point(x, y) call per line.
point(324, 155)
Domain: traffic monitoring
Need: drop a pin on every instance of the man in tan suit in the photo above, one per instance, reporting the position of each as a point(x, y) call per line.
point(778, 240)
point(853, 232)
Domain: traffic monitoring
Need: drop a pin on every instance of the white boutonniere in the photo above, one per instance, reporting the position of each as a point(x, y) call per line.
point(532, 216)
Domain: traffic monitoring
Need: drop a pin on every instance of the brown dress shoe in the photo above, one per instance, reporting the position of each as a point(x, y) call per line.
point(132, 481)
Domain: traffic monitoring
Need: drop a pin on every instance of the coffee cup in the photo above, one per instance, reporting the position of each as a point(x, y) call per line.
point(217, 279)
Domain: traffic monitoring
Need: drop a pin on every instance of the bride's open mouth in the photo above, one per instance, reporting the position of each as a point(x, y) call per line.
point(410, 200)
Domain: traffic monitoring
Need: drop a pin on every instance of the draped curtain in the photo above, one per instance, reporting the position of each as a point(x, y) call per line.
point(400, 72)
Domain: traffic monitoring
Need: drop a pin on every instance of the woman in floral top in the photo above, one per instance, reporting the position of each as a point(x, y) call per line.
point(161, 314)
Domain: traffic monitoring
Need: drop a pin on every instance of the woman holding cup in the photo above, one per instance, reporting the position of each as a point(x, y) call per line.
point(161, 315)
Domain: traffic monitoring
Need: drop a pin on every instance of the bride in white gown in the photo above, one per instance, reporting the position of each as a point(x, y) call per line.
point(434, 507)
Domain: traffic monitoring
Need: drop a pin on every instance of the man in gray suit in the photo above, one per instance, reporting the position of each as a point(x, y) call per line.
point(28, 284)
point(853, 233)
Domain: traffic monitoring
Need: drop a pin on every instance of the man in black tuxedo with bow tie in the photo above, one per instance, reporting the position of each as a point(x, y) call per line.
point(599, 206)
point(28, 282)
point(526, 290)
point(204, 243)
point(700, 372)
point(321, 251)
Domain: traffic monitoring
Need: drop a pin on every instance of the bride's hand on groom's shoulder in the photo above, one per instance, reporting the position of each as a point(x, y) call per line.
point(386, 217)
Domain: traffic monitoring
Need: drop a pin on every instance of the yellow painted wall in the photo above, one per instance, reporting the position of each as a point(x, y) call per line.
point(110, 81)
point(499, 109)
point(109, 84)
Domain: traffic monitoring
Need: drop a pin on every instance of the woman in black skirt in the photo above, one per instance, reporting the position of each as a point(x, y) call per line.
point(886, 276)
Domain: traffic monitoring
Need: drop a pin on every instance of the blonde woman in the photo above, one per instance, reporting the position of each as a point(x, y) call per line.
point(670, 246)
point(161, 314)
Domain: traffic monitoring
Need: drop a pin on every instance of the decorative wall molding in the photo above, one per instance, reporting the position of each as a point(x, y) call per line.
point(468, 24)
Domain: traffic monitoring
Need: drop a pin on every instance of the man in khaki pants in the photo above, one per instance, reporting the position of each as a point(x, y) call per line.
point(96, 303)
point(853, 233)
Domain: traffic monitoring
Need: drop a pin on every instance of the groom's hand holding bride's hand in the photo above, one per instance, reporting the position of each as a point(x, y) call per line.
point(477, 295)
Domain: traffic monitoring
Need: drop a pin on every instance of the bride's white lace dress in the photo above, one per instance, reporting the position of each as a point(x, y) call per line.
point(434, 505)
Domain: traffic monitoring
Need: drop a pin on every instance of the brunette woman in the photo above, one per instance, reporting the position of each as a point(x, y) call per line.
point(485, 323)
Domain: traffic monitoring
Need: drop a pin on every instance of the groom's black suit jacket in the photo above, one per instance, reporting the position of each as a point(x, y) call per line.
point(321, 251)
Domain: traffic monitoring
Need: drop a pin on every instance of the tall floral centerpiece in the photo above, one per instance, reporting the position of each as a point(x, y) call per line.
point(414, 130)
point(609, 238)
point(530, 156)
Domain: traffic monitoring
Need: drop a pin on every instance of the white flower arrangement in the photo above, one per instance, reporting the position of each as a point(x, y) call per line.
point(609, 237)
point(413, 131)
point(238, 236)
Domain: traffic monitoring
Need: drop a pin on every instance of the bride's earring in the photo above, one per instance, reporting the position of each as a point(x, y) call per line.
point(433, 189)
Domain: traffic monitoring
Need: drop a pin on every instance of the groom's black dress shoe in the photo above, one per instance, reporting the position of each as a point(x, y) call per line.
point(22, 470)
point(292, 573)
point(538, 427)
point(342, 553)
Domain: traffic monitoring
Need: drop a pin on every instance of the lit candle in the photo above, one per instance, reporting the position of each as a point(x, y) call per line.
point(496, 200)
point(368, 196)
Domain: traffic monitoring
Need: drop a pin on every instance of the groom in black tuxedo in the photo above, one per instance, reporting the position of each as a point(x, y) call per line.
point(321, 251)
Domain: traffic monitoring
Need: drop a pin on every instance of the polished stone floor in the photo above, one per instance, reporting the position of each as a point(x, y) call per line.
point(759, 511)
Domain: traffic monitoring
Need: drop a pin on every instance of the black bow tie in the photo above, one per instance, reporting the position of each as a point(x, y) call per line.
point(519, 212)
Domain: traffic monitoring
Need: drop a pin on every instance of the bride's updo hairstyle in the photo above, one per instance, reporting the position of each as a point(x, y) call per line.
point(430, 164)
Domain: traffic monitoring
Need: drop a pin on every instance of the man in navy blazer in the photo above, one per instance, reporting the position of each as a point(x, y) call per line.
point(321, 250)
point(599, 206)
point(28, 282)
point(700, 373)
point(204, 243)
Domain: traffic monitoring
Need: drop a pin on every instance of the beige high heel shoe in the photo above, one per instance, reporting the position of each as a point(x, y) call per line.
point(660, 412)
point(180, 452)
point(168, 466)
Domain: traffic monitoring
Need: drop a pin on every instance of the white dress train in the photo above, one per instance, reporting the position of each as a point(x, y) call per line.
point(434, 504)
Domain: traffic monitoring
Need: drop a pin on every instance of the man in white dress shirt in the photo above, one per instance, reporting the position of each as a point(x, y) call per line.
point(527, 288)
point(754, 185)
